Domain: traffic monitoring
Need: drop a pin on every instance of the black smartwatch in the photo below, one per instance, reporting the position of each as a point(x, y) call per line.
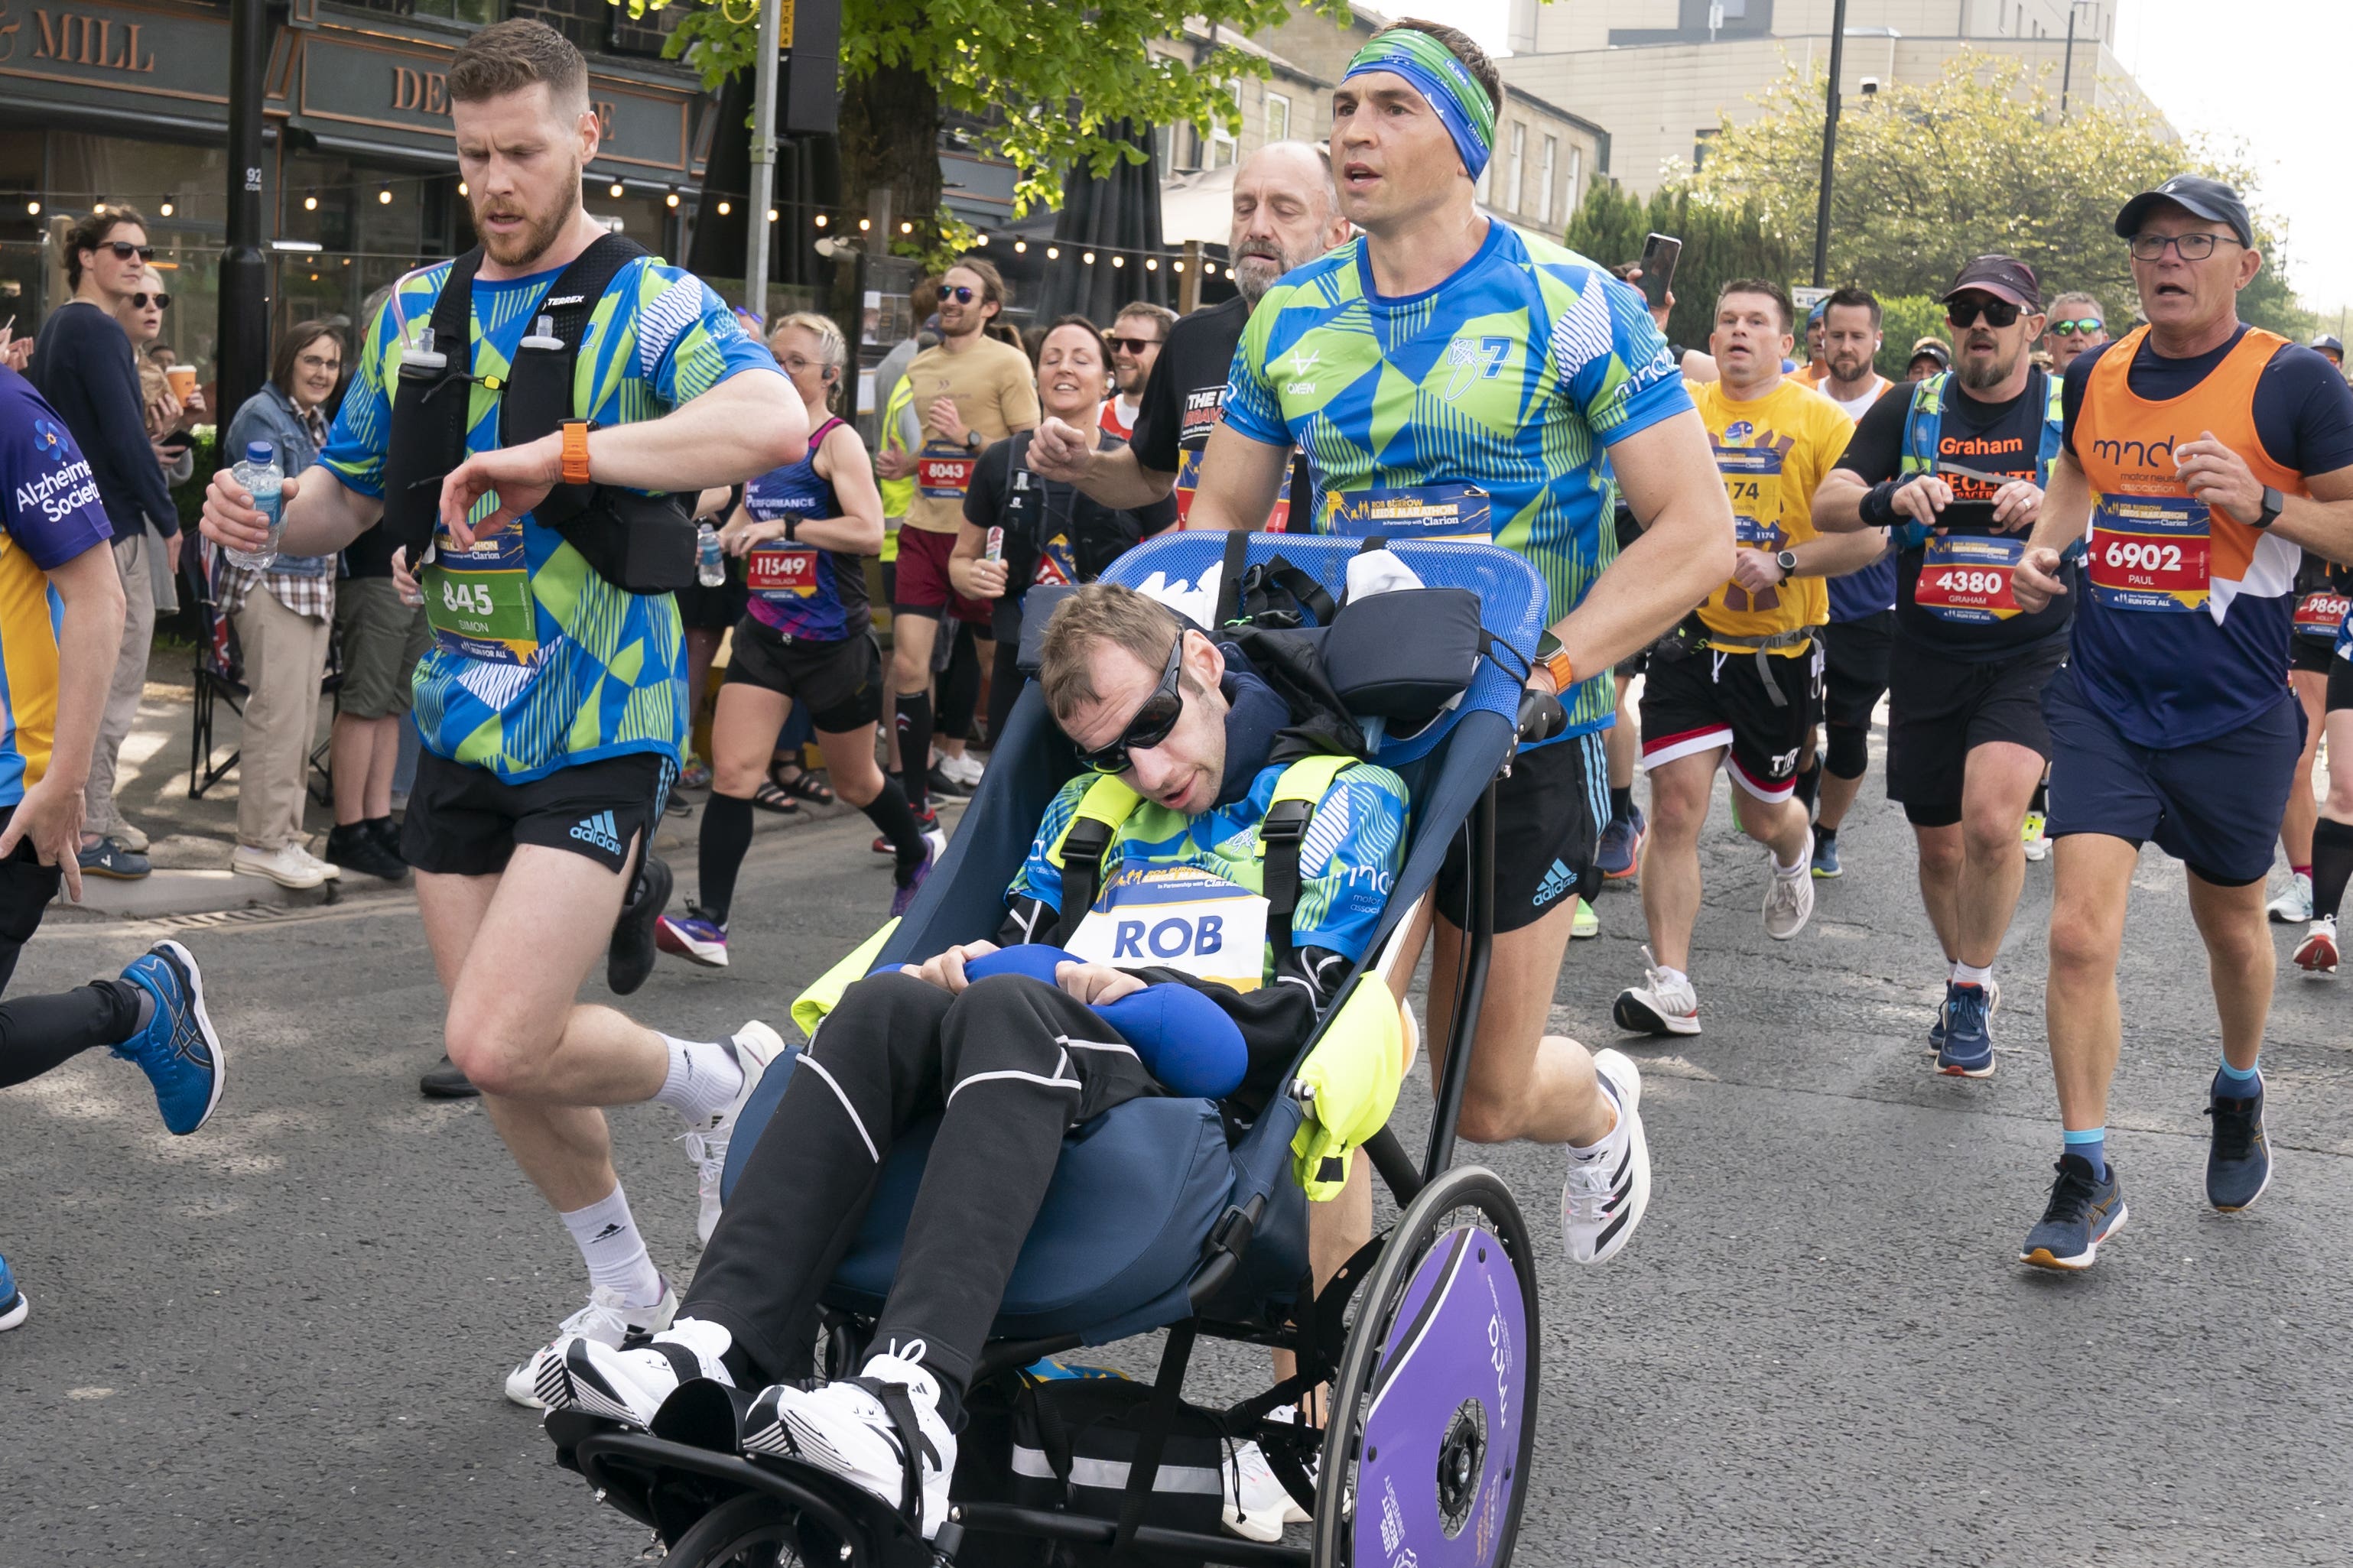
point(971, 439)
point(2273, 504)
point(1787, 560)
point(792, 529)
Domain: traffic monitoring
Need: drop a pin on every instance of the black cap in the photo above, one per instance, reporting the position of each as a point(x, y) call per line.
point(2195, 195)
point(1935, 348)
point(2327, 343)
point(2003, 277)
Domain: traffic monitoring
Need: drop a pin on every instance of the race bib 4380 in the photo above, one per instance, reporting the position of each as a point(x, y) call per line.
point(2151, 553)
point(1965, 579)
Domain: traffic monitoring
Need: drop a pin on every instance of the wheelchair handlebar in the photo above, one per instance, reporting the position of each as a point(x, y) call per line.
point(1541, 715)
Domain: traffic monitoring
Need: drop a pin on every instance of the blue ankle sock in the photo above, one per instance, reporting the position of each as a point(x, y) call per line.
point(2089, 1144)
point(2232, 1084)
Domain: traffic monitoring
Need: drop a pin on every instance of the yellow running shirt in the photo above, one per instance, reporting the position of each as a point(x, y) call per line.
point(1773, 453)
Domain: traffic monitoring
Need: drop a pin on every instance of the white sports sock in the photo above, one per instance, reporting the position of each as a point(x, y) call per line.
point(615, 1253)
point(1970, 974)
point(1793, 870)
point(1673, 976)
point(703, 1077)
point(1587, 1153)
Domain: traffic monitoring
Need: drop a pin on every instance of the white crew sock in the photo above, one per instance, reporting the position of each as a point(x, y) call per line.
point(1587, 1153)
point(615, 1253)
point(1673, 977)
point(1970, 974)
point(705, 1078)
point(1793, 870)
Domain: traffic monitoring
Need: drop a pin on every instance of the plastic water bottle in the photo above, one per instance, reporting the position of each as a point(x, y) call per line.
point(258, 472)
point(710, 566)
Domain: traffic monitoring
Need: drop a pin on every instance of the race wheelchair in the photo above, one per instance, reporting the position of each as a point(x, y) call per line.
point(1178, 1215)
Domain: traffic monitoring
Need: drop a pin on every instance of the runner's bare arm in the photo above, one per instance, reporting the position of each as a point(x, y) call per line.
point(967, 573)
point(1668, 475)
point(321, 515)
point(88, 634)
point(841, 462)
point(1114, 476)
point(2066, 513)
point(1837, 504)
point(2321, 522)
point(1833, 554)
point(1241, 478)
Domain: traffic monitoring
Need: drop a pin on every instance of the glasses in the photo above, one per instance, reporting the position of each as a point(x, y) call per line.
point(1152, 721)
point(140, 301)
point(124, 250)
point(1994, 312)
point(960, 294)
point(1135, 345)
point(2086, 327)
point(2189, 247)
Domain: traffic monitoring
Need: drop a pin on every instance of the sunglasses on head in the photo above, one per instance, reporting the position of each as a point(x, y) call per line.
point(1995, 312)
point(1152, 724)
point(960, 294)
point(2087, 326)
point(140, 301)
point(124, 250)
point(1135, 345)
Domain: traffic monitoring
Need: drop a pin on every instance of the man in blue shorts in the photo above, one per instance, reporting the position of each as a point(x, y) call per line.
point(2203, 456)
point(1440, 352)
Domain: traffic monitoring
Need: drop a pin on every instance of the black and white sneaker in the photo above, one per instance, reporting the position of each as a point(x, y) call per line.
point(881, 1430)
point(1607, 1192)
point(630, 1385)
point(608, 1320)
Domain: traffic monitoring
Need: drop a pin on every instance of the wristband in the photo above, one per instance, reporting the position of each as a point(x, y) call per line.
point(575, 450)
point(1878, 505)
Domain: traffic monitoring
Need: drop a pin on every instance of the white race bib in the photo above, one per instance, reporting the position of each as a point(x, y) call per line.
point(1176, 917)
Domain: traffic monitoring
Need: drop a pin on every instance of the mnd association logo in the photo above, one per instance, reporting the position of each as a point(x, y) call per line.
point(66, 486)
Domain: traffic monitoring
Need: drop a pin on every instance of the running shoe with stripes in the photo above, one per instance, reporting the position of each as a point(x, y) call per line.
point(2084, 1211)
point(1606, 1194)
point(695, 937)
point(629, 1386)
point(861, 1429)
point(2316, 953)
point(935, 844)
point(2239, 1161)
point(756, 1046)
point(1661, 1006)
point(1936, 1029)
point(1619, 855)
point(1968, 1050)
point(177, 1050)
point(608, 1320)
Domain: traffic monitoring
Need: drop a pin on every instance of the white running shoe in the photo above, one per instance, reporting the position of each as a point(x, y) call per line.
point(965, 770)
point(756, 1046)
point(2293, 906)
point(286, 865)
point(630, 1385)
point(1663, 1006)
point(2316, 953)
point(607, 1319)
point(1254, 1500)
point(1789, 901)
point(843, 1428)
point(326, 868)
point(1604, 1197)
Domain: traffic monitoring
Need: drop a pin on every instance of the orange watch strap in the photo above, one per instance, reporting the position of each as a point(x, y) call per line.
point(575, 451)
point(1564, 673)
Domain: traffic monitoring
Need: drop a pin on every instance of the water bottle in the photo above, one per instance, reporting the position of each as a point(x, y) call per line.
point(258, 472)
point(710, 566)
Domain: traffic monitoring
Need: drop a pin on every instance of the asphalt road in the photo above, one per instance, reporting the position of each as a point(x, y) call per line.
point(280, 1342)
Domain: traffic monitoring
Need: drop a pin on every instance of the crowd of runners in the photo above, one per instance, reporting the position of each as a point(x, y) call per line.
point(2086, 575)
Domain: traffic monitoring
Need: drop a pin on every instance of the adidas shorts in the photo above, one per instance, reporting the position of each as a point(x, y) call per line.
point(1548, 818)
point(466, 822)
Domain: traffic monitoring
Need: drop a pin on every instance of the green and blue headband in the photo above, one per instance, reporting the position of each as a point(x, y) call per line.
point(1454, 95)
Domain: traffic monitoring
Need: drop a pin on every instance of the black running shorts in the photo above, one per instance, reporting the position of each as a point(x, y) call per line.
point(840, 683)
point(26, 888)
point(1549, 817)
point(1710, 698)
point(2340, 685)
point(1854, 668)
point(1939, 709)
point(466, 822)
point(2311, 655)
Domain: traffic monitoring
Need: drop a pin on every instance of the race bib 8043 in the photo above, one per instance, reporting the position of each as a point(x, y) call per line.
point(2151, 553)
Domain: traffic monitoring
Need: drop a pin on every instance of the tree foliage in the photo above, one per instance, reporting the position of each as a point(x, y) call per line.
point(1932, 173)
point(1720, 243)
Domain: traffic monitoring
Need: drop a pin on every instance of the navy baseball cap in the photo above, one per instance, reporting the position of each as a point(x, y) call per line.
point(2003, 277)
point(2195, 195)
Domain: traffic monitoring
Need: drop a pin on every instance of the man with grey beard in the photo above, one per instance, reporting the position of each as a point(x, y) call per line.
point(1285, 215)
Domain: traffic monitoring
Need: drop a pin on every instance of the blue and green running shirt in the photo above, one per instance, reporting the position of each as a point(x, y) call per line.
point(1513, 376)
point(1347, 862)
point(569, 669)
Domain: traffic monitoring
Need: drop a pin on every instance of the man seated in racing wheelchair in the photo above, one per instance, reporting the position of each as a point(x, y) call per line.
point(1013, 1061)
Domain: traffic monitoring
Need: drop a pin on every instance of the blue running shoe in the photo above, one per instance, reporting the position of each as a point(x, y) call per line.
point(178, 1050)
point(1936, 1029)
point(1966, 1050)
point(695, 937)
point(13, 1306)
point(2238, 1162)
point(1621, 854)
point(935, 844)
point(1826, 859)
point(2082, 1213)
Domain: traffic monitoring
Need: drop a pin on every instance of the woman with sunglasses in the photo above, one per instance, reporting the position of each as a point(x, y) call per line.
point(168, 417)
point(1045, 532)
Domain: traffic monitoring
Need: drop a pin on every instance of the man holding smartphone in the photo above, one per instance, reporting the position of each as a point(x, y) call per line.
point(1958, 467)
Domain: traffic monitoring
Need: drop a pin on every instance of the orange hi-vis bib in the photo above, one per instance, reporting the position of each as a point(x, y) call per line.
point(2153, 547)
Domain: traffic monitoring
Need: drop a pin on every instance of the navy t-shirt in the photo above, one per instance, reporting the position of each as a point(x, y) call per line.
point(49, 513)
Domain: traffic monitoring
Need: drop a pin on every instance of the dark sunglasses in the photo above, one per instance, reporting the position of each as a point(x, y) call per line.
point(960, 294)
point(138, 301)
point(1152, 721)
point(1135, 345)
point(1995, 312)
point(2087, 326)
point(124, 250)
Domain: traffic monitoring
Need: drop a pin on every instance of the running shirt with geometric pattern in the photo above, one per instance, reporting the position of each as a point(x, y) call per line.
point(596, 671)
point(1513, 376)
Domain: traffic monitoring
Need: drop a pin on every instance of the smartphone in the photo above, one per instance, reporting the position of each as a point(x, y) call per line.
point(1660, 254)
point(993, 547)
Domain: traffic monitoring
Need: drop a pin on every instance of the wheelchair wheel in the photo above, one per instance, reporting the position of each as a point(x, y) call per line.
point(1425, 1454)
point(749, 1530)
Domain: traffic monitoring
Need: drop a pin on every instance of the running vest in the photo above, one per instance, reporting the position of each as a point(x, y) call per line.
point(1181, 916)
point(1966, 578)
point(2186, 611)
point(804, 591)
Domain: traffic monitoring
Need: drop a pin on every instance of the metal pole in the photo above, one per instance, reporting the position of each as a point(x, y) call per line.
point(1830, 145)
point(2067, 72)
point(241, 361)
point(764, 157)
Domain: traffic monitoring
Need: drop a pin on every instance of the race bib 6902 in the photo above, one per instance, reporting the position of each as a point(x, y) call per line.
point(2151, 553)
